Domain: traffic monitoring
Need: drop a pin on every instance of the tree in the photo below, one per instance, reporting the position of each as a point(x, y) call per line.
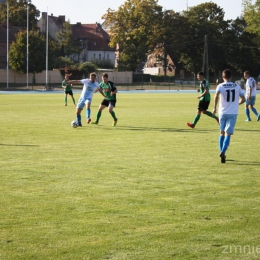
point(37, 53)
point(252, 16)
point(18, 13)
point(204, 19)
point(132, 29)
point(242, 51)
point(66, 40)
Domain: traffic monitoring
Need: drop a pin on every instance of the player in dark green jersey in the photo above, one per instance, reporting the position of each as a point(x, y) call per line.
point(204, 101)
point(109, 90)
point(67, 90)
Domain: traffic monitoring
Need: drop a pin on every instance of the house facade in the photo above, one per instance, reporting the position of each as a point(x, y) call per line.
point(155, 64)
point(93, 37)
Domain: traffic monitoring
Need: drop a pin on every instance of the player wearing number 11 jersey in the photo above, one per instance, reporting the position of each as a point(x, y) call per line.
point(231, 96)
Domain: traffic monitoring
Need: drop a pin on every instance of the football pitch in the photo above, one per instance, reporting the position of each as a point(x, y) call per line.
point(149, 188)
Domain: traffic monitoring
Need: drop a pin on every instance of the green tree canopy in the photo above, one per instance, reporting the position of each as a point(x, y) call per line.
point(132, 29)
point(68, 45)
point(37, 52)
point(18, 13)
point(252, 16)
point(204, 19)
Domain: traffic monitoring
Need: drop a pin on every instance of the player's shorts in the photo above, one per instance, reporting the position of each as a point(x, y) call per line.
point(203, 105)
point(82, 102)
point(69, 92)
point(251, 101)
point(110, 103)
point(227, 123)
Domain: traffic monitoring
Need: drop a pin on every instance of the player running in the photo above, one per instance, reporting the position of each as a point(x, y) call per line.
point(204, 102)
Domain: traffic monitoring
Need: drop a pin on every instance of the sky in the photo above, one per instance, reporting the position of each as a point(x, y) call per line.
point(90, 11)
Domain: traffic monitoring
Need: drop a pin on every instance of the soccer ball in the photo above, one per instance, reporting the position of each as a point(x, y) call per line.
point(74, 124)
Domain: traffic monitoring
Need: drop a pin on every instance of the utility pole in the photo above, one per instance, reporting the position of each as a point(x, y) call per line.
point(205, 66)
point(164, 62)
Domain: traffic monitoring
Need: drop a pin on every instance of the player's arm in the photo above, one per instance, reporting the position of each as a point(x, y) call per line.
point(206, 90)
point(101, 92)
point(216, 98)
point(242, 99)
point(113, 89)
point(250, 92)
point(74, 82)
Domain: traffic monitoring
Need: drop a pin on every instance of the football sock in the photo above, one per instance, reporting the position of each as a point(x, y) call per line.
point(247, 113)
point(65, 99)
point(220, 142)
point(79, 119)
point(88, 113)
point(113, 115)
point(210, 114)
point(98, 115)
point(225, 144)
point(196, 119)
point(255, 111)
point(73, 100)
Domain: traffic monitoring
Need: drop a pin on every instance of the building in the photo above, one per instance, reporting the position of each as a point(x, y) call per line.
point(93, 37)
point(157, 64)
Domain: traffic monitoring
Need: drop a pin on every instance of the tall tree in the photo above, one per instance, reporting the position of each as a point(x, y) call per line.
point(204, 19)
point(18, 13)
point(252, 16)
point(37, 53)
point(132, 29)
point(68, 45)
point(242, 51)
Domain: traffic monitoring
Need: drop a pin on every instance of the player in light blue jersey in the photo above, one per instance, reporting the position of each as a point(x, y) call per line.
point(90, 85)
point(231, 96)
point(250, 96)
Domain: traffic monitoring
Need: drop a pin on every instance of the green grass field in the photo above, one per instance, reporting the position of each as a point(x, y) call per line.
point(149, 188)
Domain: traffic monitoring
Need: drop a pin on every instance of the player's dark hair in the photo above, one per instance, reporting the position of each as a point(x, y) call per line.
point(247, 72)
point(201, 73)
point(227, 74)
point(105, 75)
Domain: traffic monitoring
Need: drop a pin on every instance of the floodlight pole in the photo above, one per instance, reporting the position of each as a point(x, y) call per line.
point(7, 47)
point(47, 39)
point(27, 45)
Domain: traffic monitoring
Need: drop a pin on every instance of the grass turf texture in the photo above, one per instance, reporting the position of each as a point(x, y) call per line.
point(149, 188)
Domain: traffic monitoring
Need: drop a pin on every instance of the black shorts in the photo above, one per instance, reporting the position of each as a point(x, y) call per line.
point(69, 92)
point(107, 103)
point(203, 105)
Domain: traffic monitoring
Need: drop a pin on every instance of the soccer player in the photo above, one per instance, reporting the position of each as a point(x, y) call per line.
point(67, 90)
point(204, 100)
point(231, 96)
point(90, 85)
point(109, 90)
point(250, 96)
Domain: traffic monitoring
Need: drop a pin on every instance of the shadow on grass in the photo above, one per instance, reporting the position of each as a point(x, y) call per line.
point(159, 129)
point(19, 145)
point(230, 161)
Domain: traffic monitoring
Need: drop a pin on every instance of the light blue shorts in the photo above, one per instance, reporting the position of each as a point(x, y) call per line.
point(82, 102)
point(227, 123)
point(251, 101)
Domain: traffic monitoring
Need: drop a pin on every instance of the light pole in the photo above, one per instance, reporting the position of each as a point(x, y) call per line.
point(27, 44)
point(7, 47)
point(47, 39)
